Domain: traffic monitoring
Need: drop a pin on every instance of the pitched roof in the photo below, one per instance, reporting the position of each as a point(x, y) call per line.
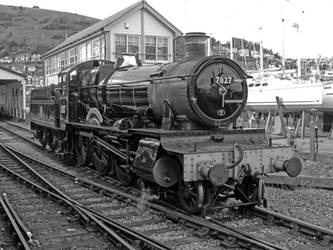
point(12, 71)
point(98, 27)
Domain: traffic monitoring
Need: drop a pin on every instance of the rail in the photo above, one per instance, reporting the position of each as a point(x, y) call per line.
point(224, 233)
point(321, 233)
point(84, 212)
point(13, 220)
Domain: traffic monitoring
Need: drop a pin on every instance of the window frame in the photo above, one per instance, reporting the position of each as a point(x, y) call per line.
point(157, 48)
point(62, 61)
point(136, 39)
point(89, 50)
point(82, 52)
point(95, 48)
point(48, 66)
point(72, 57)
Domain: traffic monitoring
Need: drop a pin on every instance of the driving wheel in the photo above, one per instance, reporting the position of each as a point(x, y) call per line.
point(122, 172)
point(83, 150)
point(101, 160)
point(191, 195)
point(43, 140)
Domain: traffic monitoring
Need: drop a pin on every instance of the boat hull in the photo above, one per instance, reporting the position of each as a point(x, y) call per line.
point(293, 96)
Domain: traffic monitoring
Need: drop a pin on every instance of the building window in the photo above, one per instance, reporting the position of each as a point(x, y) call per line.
point(47, 67)
point(156, 48)
point(150, 48)
point(96, 48)
point(162, 48)
point(54, 64)
point(102, 48)
point(133, 44)
point(83, 53)
point(126, 44)
point(72, 56)
point(88, 50)
point(62, 61)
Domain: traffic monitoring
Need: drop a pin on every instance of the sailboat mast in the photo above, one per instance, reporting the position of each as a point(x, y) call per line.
point(282, 36)
point(231, 50)
point(261, 54)
point(283, 53)
point(261, 59)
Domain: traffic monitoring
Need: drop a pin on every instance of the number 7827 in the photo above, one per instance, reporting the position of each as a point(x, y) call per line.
point(223, 79)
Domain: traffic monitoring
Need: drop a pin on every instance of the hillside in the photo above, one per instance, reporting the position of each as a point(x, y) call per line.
point(35, 30)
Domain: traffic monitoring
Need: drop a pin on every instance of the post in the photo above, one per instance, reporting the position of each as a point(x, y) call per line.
point(283, 125)
point(303, 124)
point(297, 126)
point(267, 127)
point(24, 99)
point(312, 139)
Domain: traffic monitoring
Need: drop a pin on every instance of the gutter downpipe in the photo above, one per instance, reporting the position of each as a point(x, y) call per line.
point(104, 35)
point(142, 32)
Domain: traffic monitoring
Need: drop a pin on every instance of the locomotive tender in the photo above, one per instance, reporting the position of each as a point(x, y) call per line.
point(164, 125)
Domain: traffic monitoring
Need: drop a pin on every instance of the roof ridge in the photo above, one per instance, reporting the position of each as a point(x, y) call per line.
point(12, 71)
point(99, 26)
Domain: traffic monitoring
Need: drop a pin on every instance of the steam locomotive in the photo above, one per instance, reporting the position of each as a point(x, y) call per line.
point(169, 126)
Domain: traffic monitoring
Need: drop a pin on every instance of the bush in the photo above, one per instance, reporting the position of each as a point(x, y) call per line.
point(57, 37)
point(6, 16)
point(40, 49)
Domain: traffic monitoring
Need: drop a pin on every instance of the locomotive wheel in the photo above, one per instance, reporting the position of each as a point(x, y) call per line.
point(83, 151)
point(43, 140)
point(191, 196)
point(122, 173)
point(52, 142)
point(55, 144)
point(251, 189)
point(100, 160)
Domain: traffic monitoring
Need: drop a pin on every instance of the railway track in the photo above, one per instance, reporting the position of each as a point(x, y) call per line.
point(282, 231)
point(21, 134)
point(47, 224)
point(121, 209)
point(11, 237)
point(286, 232)
point(201, 229)
point(12, 166)
point(274, 180)
point(39, 217)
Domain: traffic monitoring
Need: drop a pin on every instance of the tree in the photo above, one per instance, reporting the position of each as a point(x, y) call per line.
point(20, 10)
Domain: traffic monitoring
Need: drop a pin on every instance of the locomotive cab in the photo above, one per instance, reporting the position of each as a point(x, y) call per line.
point(78, 89)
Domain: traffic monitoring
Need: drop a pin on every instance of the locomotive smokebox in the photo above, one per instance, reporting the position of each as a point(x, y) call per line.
point(196, 45)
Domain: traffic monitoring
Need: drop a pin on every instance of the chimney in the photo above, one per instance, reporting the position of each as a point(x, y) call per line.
point(196, 45)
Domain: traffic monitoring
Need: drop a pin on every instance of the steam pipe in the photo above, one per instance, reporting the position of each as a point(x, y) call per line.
point(240, 157)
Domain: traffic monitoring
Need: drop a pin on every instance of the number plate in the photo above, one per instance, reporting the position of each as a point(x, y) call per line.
point(223, 80)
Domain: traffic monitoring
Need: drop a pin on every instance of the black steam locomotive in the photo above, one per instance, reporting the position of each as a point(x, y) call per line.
point(169, 126)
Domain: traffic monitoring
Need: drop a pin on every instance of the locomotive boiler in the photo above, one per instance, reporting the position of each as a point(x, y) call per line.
point(168, 126)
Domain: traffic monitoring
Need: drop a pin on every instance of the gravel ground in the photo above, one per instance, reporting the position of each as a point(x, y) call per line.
point(312, 205)
point(322, 167)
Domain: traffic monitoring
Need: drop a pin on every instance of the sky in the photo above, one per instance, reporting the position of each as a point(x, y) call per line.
point(253, 20)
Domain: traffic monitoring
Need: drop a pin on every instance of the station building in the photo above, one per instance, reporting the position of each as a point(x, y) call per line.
point(12, 93)
point(138, 29)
